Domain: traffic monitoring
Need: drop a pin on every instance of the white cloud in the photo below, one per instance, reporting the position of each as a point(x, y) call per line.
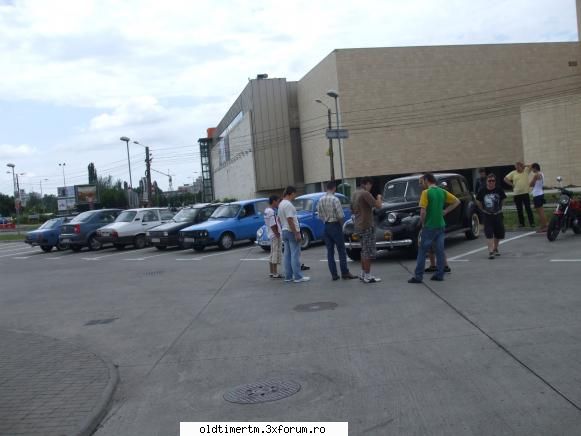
point(10, 152)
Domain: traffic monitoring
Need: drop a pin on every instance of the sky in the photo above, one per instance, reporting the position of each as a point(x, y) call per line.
point(76, 75)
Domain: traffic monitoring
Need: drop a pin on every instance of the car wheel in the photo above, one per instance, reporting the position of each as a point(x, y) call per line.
point(554, 228)
point(354, 253)
point(60, 246)
point(576, 229)
point(265, 248)
point(46, 248)
point(307, 239)
point(160, 247)
point(226, 241)
point(119, 246)
point(474, 231)
point(94, 245)
point(139, 242)
point(199, 248)
point(76, 248)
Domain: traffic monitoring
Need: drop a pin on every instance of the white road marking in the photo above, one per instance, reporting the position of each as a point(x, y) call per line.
point(23, 248)
point(23, 252)
point(24, 257)
point(458, 260)
point(108, 255)
point(336, 260)
point(565, 260)
point(259, 259)
point(203, 257)
point(149, 257)
point(478, 250)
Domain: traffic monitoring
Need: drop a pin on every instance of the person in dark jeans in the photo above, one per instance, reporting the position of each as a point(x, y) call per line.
point(331, 213)
point(518, 180)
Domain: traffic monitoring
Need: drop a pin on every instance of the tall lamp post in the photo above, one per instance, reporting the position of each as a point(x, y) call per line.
point(147, 173)
point(126, 140)
point(63, 165)
point(17, 203)
point(331, 156)
point(334, 94)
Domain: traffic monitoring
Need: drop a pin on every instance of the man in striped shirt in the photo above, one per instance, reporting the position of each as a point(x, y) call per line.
point(331, 213)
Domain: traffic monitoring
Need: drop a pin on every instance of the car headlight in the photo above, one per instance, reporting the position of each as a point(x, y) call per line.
point(260, 232)
point(164, 233)
point(563, 199)
point(392, 218)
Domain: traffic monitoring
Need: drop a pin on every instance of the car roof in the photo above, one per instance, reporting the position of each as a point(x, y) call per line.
point(243, 202)
point(314, 195)
point(145, 208)
point(417, 176)
point(202, 205)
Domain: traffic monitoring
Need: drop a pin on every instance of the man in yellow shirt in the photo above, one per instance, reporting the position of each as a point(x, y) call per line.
point(518, 180)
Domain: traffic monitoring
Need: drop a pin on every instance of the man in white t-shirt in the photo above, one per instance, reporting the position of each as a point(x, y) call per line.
point(291, 236)
point(273, 231)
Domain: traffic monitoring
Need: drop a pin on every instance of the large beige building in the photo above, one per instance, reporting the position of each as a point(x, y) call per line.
point(407, 109)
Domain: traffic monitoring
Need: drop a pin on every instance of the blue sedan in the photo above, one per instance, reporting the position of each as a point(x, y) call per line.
point(312, 228)
point(229, 223)
point(47, 235)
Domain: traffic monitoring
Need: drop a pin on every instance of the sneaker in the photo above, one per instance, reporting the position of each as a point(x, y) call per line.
point(437, 279)
point(496, 253)
point(361, 276)
point(303, 279)
point(371, 279)
point(335, 278)
point(447, 269)
point(414, 280)
point(431, 268)
point(288, 280)
point(304, 267)
point(491, 255)
point(276, 276)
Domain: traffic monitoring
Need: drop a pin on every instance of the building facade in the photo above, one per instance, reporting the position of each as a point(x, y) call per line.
point(408, 110)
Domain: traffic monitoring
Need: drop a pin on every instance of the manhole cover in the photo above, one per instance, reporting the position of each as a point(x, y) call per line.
point(153, 273)
point(316, 307)
point(262, 392)
point(100, 321)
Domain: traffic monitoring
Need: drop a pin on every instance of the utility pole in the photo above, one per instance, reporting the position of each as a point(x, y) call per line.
point(148, 176)
point(331, 158)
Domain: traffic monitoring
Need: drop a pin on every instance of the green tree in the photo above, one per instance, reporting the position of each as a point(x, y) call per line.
point(92, 174)
point(7, 205)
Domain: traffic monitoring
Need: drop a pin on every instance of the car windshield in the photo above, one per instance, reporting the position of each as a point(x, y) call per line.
point(50, 224)
point(302, 204)
point(398, 192)
point(186, 215)
point(126, 217)
point(226, 211)
point(83, 217)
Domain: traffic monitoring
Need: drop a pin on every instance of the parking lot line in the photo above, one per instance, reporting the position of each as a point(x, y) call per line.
point(207, 255)
point(21, 257)
point(478, 250)
point(565, 260)
point(15, 254)
point(21, 248)
point(108, 255)
point(150, 257)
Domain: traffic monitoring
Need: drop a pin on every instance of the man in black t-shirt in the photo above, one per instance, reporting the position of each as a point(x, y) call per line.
point(489, 200)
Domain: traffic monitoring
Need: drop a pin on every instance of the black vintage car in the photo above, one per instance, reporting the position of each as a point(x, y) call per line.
point(397, 222)
point(167, 235)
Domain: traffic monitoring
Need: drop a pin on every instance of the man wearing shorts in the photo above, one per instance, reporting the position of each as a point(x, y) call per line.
point(362, 205)
point(490, 200)
point(273, 231)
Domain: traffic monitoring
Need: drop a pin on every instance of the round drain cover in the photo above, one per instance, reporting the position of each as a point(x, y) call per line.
point(316, 307)
point(263, 391)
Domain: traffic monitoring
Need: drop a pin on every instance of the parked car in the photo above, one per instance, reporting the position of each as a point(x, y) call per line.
point(81, 230)
point(167, 235)
point(397, 223)
point(312, 228)
point(47, 235)
point(229, 223)
point(131, 226)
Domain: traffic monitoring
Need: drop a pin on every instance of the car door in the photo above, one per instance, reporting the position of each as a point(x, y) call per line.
point(150, 219)
point(248, 221)
point(165, 215)
point(315, 222)
point(455, 218)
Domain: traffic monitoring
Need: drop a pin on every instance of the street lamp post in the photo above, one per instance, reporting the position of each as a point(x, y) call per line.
point(331, 156)
point(41, 180)
point(334, 94)
point(63, 165)
point(126, 139)
point(17, 203)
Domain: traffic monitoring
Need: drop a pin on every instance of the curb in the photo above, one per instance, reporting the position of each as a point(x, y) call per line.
point(92, 421)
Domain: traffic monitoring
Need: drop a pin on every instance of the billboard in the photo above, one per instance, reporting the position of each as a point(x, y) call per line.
point(86, 194)
point(65, 191)
point(65, 204)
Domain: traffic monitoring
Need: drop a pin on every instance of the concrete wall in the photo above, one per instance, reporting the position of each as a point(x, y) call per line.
point(236, 178)
point(429, 108)
point(313, 120)
point(552, 137)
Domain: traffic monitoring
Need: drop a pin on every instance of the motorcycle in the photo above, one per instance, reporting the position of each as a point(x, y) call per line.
point(567, 214)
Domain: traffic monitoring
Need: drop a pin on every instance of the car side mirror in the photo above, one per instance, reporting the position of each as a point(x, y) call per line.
point(137, 219)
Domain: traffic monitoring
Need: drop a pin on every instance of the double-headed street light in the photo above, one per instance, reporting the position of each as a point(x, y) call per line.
point(334, 94)
point(63, 165)
point(126, 140)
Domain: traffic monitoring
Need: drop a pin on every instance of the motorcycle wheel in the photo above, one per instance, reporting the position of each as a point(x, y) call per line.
point(554, 228)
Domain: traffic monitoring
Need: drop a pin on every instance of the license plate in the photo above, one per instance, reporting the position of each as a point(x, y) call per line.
point(66, 241)
point(263, 243)
point(155, 240)
point(189, 239)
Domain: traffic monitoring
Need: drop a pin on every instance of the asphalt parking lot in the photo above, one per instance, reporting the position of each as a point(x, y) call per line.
point(494, 349)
